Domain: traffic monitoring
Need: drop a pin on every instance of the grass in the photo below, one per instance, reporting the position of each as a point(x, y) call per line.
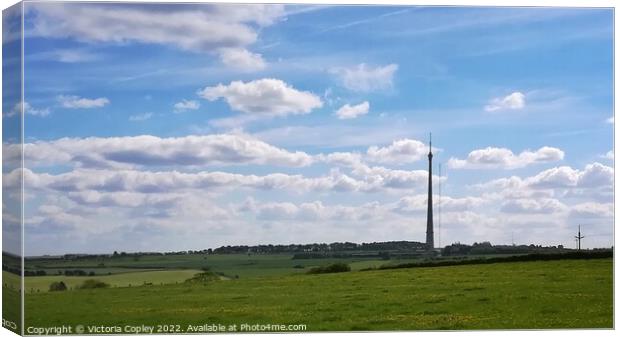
point(11, 308)
point(518, 295)
point(42, 283)
point(242, 265)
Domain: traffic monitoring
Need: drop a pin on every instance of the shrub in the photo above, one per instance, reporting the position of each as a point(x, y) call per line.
point(332, 268)
point(93, 284)
point(58, 286)
point(575, 255)
point(204, 277)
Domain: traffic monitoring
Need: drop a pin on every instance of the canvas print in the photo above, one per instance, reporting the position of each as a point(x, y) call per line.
point(211, 167)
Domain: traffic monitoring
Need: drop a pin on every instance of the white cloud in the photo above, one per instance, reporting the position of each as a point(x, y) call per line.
point(313, 211)
point(609, 155)
point(347, 159)
point(140, 117)
point(28, 109)
point(220, 149)
point(74, 56)
point(418, 203)
point(242, 59)
point(514, 101)
point(134, 181)
point(123, 199)
point(267, 97)
point(399, 152)
point(610, 120)
point(596, 175)
point(593, 210)
point(545, 206)
point(185, 105)
point(364, 78)
point(223, 149)
point(493, 157)
point(76, 102)
point(593, 176)
point(206, 28)
point(349, 112)
point(381, 177)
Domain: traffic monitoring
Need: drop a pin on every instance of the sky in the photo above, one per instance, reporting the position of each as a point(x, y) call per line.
point(165, 127)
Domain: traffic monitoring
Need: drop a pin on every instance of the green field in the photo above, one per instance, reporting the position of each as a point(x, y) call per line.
point(520, 295)
point(232, 265)
point(136, 278)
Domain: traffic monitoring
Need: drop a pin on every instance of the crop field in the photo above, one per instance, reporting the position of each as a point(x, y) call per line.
point(136, 278)
point(231, 265)
point(518, 295)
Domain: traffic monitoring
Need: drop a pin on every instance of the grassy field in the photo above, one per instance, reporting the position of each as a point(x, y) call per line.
point(520, 295)
point(241, 265)
point(11, 308)
point(136, 278)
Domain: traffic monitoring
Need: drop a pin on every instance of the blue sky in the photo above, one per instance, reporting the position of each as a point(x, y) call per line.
point(316, 118)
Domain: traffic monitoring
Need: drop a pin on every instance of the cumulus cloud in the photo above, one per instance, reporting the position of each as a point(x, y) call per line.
point(28, 109)
point(141, 117)
point(609, 155)
point(205, 28)
point(349, 112)
point(267, 97)
point(398, 179)
point(593, 176)
point(493, 157)
point(135, 181)
point(123, 199)
point(542, 206)
point(593, 210)
point(313, 211)
point(242, 59)
point(220, 149)
point(348, 159)
point(514, 101)
point(223, 149)
point(399, 152)
point(185, 105)
point(365, 78)
point(418, 203)
point(76, 102)
point(610, 120)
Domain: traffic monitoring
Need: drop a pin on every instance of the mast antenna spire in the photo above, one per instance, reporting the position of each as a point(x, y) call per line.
point(430, 142)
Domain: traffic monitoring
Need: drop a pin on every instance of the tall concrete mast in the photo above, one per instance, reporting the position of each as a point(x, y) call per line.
point(430, 244)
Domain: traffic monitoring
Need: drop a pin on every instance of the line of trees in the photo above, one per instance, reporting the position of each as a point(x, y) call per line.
point(486, 248)
point(333, 248)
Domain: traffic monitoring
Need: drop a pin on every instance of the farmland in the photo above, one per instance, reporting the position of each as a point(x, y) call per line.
point(539, 294)
point(128, 279)
point(231, 265)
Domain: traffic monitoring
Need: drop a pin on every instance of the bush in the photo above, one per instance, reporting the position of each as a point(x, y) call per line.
point(575, 255)
point(203, 277)
point(58, 286)
point(332, 268)
point(93, 284)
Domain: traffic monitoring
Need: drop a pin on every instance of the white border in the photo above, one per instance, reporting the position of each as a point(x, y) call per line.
point(505, 3)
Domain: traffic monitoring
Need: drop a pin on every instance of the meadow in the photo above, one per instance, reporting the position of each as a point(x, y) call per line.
point(518, 295)
point(127, 279)
point(230, 265)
